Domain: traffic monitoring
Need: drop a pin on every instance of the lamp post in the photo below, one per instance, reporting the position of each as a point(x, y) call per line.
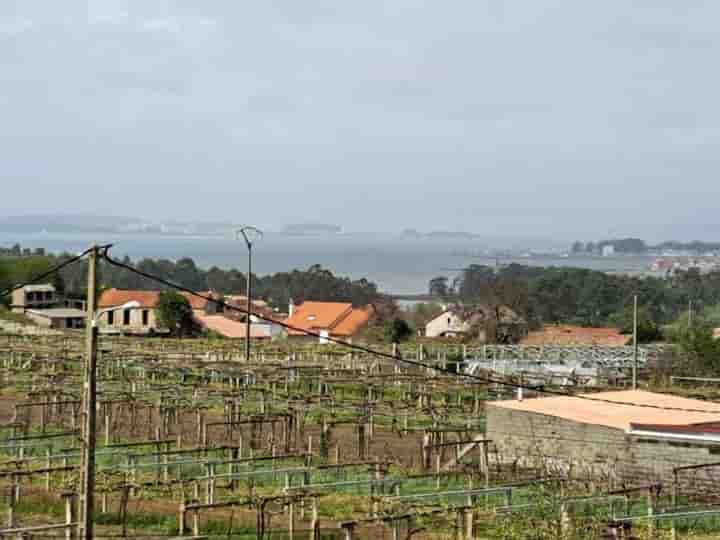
point(250, 235)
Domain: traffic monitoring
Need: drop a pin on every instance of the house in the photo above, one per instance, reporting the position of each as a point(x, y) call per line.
point(57, 318)
point(637, 439)
point(337, 320)
point(231, 328)
point(507, 325)
point(568, 335)
point(41, 296)
point(138, 320)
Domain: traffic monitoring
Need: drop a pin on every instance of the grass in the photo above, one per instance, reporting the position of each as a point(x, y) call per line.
point(18, 318)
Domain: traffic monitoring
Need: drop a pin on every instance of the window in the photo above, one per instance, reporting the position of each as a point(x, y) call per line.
point(145, 317)
point(111, 318)
point(126, 317)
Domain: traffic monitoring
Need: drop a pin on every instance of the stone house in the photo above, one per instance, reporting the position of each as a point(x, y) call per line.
point(637, 443)
point(139, 320)
point(143, 319)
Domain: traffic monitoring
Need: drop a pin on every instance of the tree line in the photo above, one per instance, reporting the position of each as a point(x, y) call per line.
point(636, 246)
point(315, 283)
point(580, 296)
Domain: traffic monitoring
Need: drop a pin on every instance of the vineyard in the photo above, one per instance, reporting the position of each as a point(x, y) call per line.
point(301, 442)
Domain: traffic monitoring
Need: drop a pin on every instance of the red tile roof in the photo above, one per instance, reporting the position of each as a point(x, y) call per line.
point(118, 297)
point(338, 318)
point(232, 329)
point(575, 335)
point(197, 303)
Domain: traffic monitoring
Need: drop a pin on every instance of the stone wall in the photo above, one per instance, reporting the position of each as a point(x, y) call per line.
point(556, 445)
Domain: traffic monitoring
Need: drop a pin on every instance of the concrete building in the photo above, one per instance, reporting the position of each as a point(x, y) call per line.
point(637, 443)
point(40, 296)
point(57, 318)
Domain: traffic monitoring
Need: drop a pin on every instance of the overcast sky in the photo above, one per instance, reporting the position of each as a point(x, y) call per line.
point(542, 117)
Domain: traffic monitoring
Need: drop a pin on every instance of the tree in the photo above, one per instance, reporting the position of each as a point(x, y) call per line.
point(648, 330)
point(577, 247)
point(174, 313)
point(397, 330)
point(438, 286)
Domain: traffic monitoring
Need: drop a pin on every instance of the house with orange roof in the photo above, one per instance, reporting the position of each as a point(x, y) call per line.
point(141, 319)
point(336, 320)
point(631, 436)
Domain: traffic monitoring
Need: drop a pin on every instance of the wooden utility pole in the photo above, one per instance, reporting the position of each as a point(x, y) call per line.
point(690, 313)
point(87, 475)
point(635, 342)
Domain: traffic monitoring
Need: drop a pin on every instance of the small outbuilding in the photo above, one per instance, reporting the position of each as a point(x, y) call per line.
point(630, 436)
point(57, 318)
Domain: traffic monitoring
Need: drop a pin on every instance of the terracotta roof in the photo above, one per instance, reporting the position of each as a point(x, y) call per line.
point(118, 297)
point(618, 416)
point(232, 329)
point(338, 318)
point(197, 303)
point(575, 335)
point(356, 320)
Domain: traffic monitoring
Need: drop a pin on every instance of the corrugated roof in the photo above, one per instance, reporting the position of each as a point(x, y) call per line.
point(618, 416)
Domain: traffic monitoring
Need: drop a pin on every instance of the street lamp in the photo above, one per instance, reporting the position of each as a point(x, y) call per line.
point(250, 235)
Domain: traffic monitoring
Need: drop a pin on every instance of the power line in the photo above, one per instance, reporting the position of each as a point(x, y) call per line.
point(381, 354)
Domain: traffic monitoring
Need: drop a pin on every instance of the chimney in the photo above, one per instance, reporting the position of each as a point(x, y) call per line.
point(291, 308)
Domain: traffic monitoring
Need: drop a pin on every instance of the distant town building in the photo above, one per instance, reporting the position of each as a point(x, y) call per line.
point(337, 320)
point(608, 250)
point(33, 297)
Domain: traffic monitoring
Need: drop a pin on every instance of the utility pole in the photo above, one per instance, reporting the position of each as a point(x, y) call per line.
point(690, 313)
point(87, 475)
point(635, 342)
